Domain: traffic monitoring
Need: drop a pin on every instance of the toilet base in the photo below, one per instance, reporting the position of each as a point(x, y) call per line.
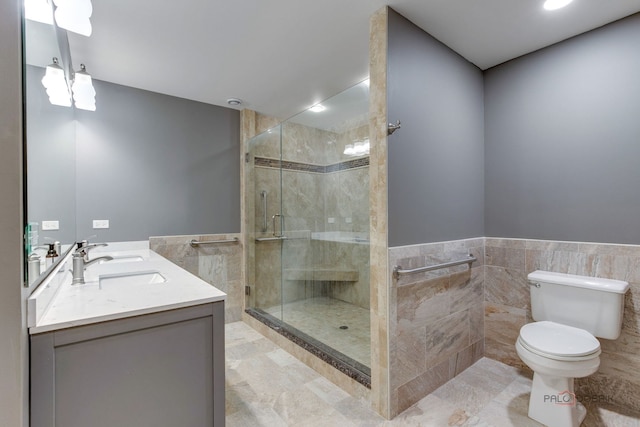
point(553, 402)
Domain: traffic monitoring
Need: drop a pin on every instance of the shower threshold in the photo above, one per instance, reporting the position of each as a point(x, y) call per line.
point(348, 366)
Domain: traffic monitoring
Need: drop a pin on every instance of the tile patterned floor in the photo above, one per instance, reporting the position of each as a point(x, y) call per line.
point(266, 386)
point(321, 318)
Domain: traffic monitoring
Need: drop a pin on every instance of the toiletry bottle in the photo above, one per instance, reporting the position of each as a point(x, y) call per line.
point(51, 255)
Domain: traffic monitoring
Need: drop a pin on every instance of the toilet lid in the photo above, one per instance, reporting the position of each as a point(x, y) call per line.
point(559, 340)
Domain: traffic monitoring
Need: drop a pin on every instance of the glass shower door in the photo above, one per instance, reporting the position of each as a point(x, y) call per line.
point(307, 206)
point(264, 210)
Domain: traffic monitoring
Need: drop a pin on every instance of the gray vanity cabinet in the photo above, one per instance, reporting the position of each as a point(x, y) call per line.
point(157, 370)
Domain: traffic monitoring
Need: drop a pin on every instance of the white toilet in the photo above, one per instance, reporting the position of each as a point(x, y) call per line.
point(569, 312)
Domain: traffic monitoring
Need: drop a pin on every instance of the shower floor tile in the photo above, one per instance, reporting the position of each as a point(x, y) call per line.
point(325, 318)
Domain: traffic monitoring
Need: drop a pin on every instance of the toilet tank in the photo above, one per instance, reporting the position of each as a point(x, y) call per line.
point(590, 303)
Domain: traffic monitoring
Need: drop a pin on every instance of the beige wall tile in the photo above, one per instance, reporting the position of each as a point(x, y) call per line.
point(505, 257)
point(220, 265)
point(446, 337)
point(507, 287)
point(414, 390)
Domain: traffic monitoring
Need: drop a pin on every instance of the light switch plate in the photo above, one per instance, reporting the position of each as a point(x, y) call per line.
point(50, 225)
point(100, 223)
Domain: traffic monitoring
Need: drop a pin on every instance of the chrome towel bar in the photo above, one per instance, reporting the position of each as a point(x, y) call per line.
point(194, 243)
point(398, 271)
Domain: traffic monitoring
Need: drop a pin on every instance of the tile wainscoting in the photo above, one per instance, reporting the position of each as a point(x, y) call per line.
point(442, 321)
point(507, 306)
point(436, 319)
point(219, 265)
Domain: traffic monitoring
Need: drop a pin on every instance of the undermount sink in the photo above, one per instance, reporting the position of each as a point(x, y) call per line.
point(131, 279)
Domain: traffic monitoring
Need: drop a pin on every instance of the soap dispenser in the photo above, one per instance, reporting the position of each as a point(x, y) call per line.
point(52, 254)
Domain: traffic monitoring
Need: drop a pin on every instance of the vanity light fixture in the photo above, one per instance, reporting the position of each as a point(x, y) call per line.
point(84, 94)
point(56, 84)
point(39, 11)
point(318, 108)
point(556, 4)
point(73, 15)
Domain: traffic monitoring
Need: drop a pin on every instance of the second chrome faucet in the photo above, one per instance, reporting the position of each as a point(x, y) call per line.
point(81, 260)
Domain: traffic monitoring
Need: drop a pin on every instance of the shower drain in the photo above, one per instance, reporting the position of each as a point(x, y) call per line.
point(344, 327)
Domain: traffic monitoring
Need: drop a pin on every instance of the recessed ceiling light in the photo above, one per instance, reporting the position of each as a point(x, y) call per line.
point(234, 101)
point(556, 4)
point(317, 108)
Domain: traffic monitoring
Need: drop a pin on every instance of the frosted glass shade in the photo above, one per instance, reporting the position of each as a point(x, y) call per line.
point(56, 84)
point(38, 10)
point(84, 95)
point(73, 15)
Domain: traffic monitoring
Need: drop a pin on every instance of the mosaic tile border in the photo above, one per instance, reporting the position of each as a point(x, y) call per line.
point(306, 167)
point(353, 369)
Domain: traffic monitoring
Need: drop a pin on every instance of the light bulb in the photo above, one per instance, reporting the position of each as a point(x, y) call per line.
point(349, 150)
point(317, 108)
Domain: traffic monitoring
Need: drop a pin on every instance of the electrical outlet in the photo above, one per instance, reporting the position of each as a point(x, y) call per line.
point(50, 225)
point(100, 223)
point(348, 220)
point(331, 220)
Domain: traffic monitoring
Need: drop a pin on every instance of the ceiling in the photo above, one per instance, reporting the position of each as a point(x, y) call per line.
point(282, 56)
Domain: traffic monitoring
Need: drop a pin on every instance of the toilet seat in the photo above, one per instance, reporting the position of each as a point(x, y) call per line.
point(559, 342)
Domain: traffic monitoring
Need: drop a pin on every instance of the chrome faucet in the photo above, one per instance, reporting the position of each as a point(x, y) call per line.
point(86, 247)
point(80, 261)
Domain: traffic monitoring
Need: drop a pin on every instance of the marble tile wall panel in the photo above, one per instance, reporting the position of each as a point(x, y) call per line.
point(220, 265)
point(264, 123)
point(305, 144)
point(436, 331)
point(346, 198)
point(348, 134)
point(382, 298)
point(507, 305)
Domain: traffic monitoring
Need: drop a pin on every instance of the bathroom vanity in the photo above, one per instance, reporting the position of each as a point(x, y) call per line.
point(141, 343)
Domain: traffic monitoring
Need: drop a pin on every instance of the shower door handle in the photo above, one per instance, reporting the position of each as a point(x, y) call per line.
point(265, 224)
point(273, 218)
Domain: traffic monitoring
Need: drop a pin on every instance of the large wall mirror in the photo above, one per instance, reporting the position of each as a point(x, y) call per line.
point(50, 152)
point(141, 164)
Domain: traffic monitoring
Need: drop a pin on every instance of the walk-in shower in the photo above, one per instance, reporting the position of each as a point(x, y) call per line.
point(307, 201)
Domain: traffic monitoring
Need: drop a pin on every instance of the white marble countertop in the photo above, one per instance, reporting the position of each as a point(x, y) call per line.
point(93, 302)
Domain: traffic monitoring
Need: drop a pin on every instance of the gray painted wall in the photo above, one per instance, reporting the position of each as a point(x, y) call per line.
point(563, 140)
point(156, 165)
point(151, 164)
point(436, 160)
point(51, 159)
point(14, 349)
